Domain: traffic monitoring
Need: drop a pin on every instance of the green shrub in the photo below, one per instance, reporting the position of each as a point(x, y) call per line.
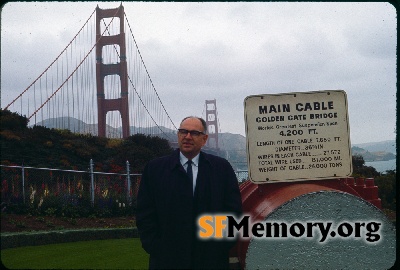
point(387, 189)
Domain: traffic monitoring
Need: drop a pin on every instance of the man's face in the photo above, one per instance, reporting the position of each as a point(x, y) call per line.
point(190, 145)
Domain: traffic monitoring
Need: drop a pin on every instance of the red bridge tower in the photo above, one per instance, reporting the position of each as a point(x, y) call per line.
point(102, 70)
point(212, 123)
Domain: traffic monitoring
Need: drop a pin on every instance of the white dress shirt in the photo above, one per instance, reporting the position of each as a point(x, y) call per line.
point(195, 166)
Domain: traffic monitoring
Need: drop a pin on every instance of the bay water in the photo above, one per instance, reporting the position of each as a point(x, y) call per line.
point(382, 166)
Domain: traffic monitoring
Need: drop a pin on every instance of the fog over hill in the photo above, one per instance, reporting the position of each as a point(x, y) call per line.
point(227, 141)
point(385, 146)
point(78, 126)
point(233, 145)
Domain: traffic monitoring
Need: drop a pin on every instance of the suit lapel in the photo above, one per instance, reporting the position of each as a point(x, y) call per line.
point(203, 192)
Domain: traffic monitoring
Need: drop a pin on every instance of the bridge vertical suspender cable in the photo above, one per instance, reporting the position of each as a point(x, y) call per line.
point(62, 76)
point(151, 82)
point(23, 92)
point(55, 92)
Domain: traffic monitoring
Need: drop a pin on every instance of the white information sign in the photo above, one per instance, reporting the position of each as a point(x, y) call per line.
point(297, 136)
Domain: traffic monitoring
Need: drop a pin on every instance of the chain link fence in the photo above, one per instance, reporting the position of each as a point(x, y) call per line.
point(68, 192)
point(71, 193)
point(242, 175)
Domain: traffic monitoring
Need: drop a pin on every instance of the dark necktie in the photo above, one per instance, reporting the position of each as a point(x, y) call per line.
point(189, 171)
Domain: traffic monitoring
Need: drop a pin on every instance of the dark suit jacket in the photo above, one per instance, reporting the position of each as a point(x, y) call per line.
point(167, 211)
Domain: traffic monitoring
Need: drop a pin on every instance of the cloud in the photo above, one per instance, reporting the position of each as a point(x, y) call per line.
point(227, 51)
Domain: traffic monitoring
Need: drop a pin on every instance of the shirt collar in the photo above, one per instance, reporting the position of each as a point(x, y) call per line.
point(183, 159)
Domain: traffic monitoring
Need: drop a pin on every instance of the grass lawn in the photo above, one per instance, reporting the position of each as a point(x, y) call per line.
point(101, 254)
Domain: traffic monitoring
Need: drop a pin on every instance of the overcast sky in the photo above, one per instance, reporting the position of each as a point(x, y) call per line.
point(228, 51)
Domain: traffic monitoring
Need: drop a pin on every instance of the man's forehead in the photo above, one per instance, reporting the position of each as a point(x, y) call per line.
point(191, 122)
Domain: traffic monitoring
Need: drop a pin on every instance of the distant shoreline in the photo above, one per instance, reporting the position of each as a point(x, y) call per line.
point(382, 165)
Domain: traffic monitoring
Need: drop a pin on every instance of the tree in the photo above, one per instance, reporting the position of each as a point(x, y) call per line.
point(40, 146)
point(387, 189)
point(139, 149)
point(360, 170)
point(12, 121)
point(386, 182)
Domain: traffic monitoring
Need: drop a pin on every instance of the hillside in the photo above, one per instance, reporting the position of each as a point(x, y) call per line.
point(40, 146)
point(232, 146)
point(372, 156)
point(385, 146)
point(78, 126)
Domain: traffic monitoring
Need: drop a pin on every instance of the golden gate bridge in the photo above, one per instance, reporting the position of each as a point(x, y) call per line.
point(101, 70)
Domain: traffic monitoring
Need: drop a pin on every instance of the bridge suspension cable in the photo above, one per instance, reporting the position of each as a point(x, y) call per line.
point(147, 72)
point(150, 80)
point(65, 90)
point(23, 92)
point(70, 76)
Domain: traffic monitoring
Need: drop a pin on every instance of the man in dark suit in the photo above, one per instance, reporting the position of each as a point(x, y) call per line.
point(174, 194)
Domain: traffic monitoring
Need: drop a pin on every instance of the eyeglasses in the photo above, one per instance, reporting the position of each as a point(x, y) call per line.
point(193, 133)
